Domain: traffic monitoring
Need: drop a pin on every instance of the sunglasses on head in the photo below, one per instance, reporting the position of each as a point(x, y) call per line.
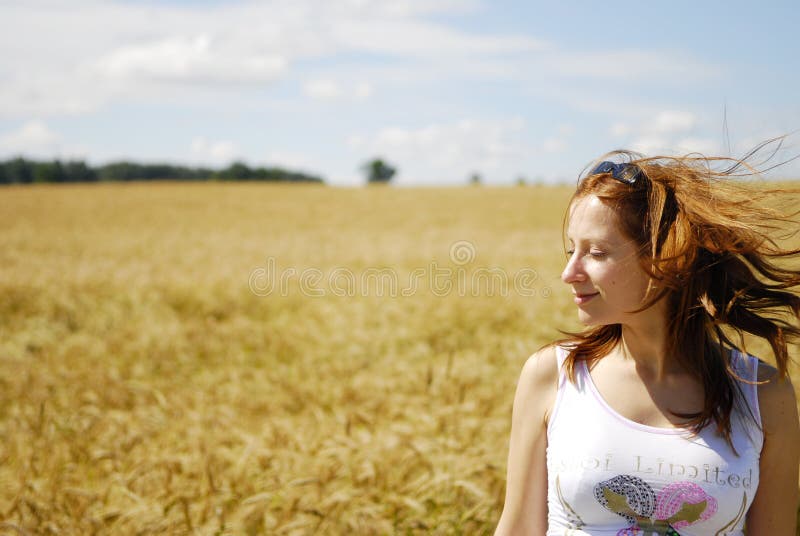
point(627, 173)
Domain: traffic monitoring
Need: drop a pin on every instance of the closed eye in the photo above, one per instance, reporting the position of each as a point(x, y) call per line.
point(595, 254)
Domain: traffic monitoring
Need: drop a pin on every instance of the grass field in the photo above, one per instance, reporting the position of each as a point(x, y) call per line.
point(155, 379)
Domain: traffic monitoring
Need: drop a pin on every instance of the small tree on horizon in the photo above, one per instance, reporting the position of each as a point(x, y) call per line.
point(378, 171)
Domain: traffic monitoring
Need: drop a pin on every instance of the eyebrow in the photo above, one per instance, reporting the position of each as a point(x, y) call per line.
point(595, 240)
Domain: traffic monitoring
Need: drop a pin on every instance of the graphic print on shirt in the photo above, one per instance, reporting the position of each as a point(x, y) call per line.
point(678, 505)
point(573, 518)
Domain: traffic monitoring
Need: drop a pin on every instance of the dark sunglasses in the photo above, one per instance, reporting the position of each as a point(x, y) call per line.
point(627, 173)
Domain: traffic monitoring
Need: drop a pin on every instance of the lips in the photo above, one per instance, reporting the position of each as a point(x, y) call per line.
point(580, 299)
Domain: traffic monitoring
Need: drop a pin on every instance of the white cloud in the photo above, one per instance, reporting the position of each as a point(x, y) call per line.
point(565, 130)
point(619, 129)
point(214, 152)
point(637, 65)
point(554, 145)
point(650, 145)
point(192, 59)
point(558, 143)
point(672, 121)
point(99, 53)
point(418, 7)
point(415, 38)
point(696, 144)
point(362, 90)
point(290, 160)
point(322, 89)
point(448, 152)
point(666, 132)
point(356, 141)
point(666, 145)
point(326, 89)
point(48, 93)
point(33, 138)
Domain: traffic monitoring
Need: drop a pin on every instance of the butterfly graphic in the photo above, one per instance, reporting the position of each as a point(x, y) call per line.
point(678, 505)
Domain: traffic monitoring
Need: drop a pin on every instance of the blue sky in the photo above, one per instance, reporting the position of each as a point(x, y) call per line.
point(440, 88)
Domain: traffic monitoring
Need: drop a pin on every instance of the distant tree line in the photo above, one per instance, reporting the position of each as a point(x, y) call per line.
point(24, 171)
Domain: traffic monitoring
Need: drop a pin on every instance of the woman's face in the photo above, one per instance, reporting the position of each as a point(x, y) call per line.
point(602, 267)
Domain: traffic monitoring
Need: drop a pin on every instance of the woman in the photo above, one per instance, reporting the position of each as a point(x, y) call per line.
point(653, 421)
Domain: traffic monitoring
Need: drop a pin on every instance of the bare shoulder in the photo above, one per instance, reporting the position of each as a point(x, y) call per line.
point(776, 399)
point(525, 508)
point(538, 381)
point(541, 368)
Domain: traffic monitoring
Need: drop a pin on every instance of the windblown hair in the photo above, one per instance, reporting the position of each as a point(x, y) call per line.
point(710, 243)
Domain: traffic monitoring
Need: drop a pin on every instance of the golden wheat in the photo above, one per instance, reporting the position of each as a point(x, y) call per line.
point(150, 382)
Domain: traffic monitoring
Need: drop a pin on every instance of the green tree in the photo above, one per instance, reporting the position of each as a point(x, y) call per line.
point(237, 171)
point(48, 172)
point(378, 171)
point(18, 170)
point(78, 171)
point(119, 171)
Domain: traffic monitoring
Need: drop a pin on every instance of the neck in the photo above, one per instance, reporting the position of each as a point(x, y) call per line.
point(645, 342)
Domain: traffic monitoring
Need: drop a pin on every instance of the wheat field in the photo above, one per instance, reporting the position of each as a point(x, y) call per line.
point(205, 358)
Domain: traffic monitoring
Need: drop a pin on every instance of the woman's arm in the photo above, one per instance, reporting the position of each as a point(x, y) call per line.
point(525, 509)
point(774, 509)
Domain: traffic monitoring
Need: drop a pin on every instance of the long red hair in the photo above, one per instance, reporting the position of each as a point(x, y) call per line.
point(710, 244)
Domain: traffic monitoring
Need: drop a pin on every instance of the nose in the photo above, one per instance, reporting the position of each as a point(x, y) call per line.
point(573, 271)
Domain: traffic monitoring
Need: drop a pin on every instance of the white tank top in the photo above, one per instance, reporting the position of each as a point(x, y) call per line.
point(608, 475)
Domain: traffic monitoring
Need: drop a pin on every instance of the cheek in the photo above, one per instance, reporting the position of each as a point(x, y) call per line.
point(628, 283)
point(637, 287)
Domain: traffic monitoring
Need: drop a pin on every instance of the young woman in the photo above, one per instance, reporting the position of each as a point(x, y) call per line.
point(654, 421)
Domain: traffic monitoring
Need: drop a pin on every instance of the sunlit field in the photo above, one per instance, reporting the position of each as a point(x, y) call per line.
point(263, 359)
